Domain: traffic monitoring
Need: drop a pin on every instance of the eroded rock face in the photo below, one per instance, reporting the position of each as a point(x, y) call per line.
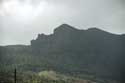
point(93, 49)
point(67, 37)
point(62, 35)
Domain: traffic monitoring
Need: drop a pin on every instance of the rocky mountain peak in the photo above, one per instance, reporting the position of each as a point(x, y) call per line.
point(64, 28)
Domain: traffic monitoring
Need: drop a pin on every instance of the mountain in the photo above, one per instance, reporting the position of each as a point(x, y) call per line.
point(76, 50)
point(71, 51)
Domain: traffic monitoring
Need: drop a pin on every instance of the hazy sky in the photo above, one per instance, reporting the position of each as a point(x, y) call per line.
point(22, 20)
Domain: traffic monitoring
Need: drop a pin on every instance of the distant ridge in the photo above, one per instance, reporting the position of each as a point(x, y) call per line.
point(67, 27)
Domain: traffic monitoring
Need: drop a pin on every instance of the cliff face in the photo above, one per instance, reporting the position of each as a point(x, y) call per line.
point(79, 50)
point(69, 38)
point(62, 35)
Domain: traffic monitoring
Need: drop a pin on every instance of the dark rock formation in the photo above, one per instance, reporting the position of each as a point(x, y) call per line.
point(91, 50)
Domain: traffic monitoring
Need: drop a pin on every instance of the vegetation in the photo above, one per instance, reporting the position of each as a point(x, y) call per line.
point(46, 77)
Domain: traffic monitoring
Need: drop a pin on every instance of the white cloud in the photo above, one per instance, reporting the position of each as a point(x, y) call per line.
point(22, 10)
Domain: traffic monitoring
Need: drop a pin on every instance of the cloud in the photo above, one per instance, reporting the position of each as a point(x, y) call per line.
point(8, 7)
point(21, 7)
point(22, 20)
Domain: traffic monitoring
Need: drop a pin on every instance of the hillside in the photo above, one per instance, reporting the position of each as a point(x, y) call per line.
point(90, 54)
point(74, 50)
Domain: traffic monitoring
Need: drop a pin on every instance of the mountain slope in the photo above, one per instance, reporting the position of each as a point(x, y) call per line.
point(91, 53)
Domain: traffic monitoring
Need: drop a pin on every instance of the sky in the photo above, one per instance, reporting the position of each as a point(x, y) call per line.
point(22, 20)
